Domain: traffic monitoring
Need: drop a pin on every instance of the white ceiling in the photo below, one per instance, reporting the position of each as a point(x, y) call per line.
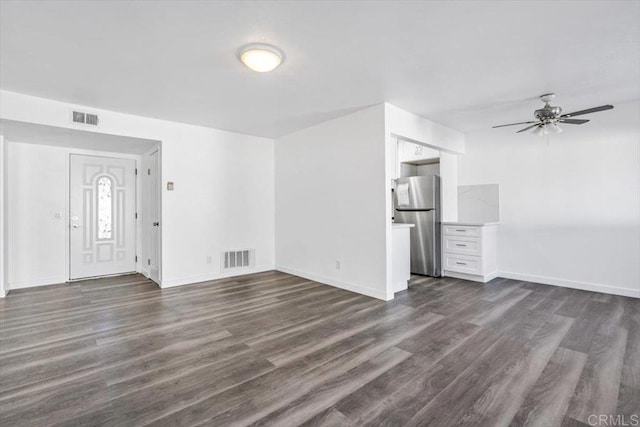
point(31, 133)
point(468, 65)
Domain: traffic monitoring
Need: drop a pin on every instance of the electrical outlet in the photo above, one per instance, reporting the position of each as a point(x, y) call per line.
point(337, 264)
point(209, 259)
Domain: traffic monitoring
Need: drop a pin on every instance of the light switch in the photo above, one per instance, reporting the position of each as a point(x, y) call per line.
point(57, 215)
point(169, 186)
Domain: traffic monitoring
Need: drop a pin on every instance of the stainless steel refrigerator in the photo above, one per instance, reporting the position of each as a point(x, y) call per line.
point(417, 201)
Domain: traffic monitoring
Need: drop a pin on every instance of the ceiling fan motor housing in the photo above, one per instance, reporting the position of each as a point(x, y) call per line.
point(548, 113)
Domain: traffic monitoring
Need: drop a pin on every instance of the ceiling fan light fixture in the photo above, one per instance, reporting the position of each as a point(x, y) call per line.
point(261, 57)
point(540, 130)
point(554, 128)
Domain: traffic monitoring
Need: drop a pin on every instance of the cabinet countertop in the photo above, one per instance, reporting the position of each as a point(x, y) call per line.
point(397, 225)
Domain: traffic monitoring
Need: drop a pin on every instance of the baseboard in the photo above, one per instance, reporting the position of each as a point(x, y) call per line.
point(473, 277)
point(213, 276)
point(585, 286)
point(3, 293)
point(37, 282)
point(337, 284)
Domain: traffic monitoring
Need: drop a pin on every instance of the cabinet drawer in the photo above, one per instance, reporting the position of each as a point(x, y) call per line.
point(463, 264)
point(462, 245)
point(461, 230)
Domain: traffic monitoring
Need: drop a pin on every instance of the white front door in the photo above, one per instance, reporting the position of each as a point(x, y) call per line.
point(102, 216)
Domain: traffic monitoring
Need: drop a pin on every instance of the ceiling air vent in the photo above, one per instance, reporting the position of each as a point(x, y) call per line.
point(232, 260)
point(84, 118)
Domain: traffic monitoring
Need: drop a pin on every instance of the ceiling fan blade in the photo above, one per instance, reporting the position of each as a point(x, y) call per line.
point(588, 111)
point(512, 124)
point(529, 127)
point(574, 121)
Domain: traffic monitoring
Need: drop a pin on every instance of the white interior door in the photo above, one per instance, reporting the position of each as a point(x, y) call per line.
point(154, 217)
point(102, 216)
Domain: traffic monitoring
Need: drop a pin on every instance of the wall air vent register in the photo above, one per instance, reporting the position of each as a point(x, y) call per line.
point(83, 118)
point(233, 260)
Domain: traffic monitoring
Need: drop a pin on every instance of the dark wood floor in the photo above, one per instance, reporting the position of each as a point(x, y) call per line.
point(276, 349)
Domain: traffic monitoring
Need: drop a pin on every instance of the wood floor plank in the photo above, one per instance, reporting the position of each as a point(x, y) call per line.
point(452, 403)
point(328, 418)
point(426, 352)
point(403, 404)
point(631, 364)
point(598, 387)
point(628, 403)
point(547, 402)
point(587, 325)
point(556, 298)
point(500, 402)
point(328, 393)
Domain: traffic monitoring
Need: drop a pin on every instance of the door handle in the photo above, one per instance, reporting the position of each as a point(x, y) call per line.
point(75, 226)
point(156, 223)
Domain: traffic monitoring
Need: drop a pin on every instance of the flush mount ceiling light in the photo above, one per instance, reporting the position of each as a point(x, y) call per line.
point(261, 57)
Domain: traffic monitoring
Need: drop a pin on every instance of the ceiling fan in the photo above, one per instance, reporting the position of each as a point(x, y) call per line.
point(549, 117)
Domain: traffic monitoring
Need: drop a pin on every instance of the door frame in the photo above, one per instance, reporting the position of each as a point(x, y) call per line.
point(137, 234)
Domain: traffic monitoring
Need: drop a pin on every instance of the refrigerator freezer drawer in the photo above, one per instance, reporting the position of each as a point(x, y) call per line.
point(425, 241)
point(461, 230)
point(463, 245)
point(463, 264)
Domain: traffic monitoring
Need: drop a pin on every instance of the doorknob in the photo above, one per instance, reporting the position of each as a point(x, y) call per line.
point(156, 223)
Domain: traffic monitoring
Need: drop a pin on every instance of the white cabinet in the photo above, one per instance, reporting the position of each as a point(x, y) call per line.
point(469, 251)
point(462, 245)
point(460, 230)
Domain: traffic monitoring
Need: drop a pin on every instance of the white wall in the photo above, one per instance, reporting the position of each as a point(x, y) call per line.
point(449, 186)
point(407, 125)
point(224, 186)
point(430, 169)
point(37, 181)
point(3, 226)
point(330, 203)
point(569, 206)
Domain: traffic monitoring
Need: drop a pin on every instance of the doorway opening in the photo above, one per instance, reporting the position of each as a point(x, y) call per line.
point(94, 196)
